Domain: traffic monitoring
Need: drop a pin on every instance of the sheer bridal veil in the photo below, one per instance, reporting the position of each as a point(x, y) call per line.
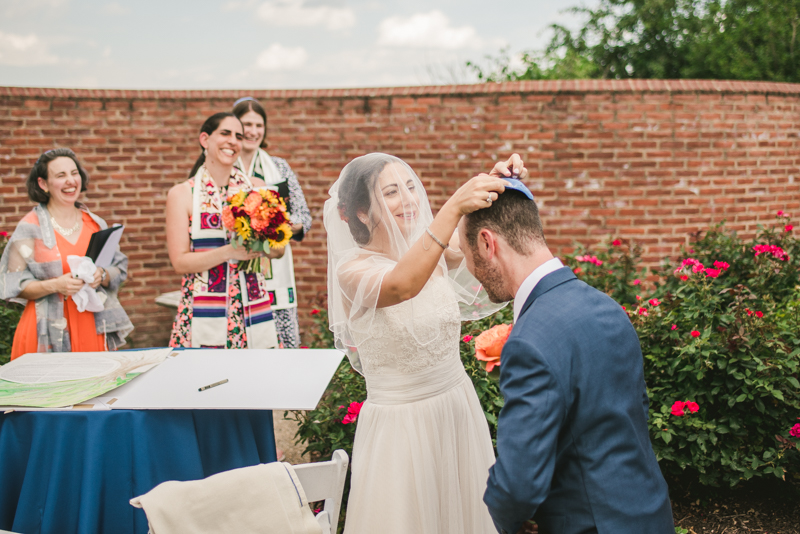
point(377, 210)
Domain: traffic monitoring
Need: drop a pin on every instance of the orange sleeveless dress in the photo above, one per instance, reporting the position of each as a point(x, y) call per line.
point(82, 331)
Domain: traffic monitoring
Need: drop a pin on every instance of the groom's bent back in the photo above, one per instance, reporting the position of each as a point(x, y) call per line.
point(574, 451)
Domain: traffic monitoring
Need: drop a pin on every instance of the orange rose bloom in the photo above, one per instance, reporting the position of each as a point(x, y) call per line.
point(228, 220)
point(252, 202)
point(489, 345)
point(258, 223)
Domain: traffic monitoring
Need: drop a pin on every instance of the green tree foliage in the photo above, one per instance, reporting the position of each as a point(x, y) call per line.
point(666, 39)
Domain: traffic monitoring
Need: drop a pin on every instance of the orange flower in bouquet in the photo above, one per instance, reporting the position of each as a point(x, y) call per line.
point(489, 345)
point(259, 221)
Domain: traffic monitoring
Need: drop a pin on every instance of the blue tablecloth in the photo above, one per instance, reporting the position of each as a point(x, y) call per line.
point(64, 472)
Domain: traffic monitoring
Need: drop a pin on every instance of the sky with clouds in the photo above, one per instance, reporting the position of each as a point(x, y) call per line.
point(269, 44)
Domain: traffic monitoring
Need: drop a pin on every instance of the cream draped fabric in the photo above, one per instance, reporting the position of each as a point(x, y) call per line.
point(251, 500)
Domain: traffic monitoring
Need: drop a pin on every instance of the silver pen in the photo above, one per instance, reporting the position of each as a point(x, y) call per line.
point(215, 384)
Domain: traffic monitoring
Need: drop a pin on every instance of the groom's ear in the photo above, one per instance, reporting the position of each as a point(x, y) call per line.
point(487, 244)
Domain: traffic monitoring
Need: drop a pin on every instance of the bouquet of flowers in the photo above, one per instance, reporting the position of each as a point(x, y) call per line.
point(258, 220)
point(489, 346)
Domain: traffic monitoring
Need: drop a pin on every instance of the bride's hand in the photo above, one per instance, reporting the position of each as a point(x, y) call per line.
point(479, 192)
point(513, 167)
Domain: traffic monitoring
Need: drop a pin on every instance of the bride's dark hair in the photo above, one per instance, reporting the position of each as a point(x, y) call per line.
point(355, 194)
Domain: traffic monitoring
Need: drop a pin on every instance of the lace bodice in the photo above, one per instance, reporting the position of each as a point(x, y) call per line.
point(394, 349)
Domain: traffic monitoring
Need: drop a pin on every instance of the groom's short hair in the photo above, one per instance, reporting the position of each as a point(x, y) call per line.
point(513, 216)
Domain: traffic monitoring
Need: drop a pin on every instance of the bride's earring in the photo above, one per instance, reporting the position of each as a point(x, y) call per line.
point(205, 152)
point(362, 219)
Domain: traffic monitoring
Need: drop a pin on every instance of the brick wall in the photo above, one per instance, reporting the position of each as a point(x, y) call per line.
point(650, 160)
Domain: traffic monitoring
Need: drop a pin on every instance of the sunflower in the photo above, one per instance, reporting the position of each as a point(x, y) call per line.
point(243, 228)
point(283, 234)
point(238, 198)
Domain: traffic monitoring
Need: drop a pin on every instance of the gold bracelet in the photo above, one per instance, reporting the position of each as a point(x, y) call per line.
point(428, 229)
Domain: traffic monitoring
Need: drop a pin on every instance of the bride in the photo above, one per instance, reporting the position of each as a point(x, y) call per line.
point(397, 291)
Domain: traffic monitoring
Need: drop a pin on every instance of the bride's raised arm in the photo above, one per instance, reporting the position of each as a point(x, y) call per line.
point(416, 266)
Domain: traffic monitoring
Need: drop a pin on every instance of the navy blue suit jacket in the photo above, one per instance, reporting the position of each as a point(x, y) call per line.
point(573, 448)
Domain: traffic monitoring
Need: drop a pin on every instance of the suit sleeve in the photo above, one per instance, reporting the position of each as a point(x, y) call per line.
point(527, 433)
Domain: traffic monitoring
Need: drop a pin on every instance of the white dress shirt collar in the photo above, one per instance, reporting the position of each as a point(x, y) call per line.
point(527, 286)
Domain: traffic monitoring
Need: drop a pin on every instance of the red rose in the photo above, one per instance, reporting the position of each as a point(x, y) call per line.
point(759, 314)
point(692, 406)
point(314, 311)
point(677, 408)
point(788, 228)
point(674, 327)
point(616, 242)
point(695, 333)
point(654, 302)
point(684, 277)
point(467, 338)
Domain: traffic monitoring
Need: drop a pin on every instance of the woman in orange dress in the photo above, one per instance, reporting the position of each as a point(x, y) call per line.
point(34, 266)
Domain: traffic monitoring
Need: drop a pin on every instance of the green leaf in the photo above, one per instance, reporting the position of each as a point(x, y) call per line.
point(777, 394)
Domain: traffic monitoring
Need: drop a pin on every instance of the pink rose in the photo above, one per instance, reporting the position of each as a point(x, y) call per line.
point(795, 431)
point(674, 327)
point(467, 338)
point(695, 333)
point(677, 408)
point(352, 412)
point(692, 406)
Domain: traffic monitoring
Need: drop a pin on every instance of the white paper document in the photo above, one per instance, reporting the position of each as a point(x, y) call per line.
point(43, 368)
point(61, 379)
point(271, 379)
point(106, 255)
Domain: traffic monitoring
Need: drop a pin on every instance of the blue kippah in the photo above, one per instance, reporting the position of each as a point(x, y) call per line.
point(517, 185)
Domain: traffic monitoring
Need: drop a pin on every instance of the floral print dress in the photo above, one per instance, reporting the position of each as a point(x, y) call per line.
point(182, 328)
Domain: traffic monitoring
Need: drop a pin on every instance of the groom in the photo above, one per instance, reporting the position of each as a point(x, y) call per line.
point(573, 447)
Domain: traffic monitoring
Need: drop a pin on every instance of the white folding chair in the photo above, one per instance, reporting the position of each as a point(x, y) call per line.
point(325, 481)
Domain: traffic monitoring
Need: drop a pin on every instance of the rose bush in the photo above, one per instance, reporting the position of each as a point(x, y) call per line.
point(725, 333)
point(10, 314)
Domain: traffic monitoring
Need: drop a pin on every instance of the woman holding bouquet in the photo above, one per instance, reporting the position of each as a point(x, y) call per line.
point(255, 162)
point(34, 268)
point(398, 289)
point(221, 305)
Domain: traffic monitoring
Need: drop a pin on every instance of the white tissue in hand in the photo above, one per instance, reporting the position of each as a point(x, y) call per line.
point(87, 298)
point(82, 267)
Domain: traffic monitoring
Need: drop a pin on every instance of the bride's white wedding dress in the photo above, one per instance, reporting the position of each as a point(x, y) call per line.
point(422, 449)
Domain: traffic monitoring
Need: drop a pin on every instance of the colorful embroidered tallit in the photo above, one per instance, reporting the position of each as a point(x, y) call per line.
point(282, 284)
point(210, 288)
